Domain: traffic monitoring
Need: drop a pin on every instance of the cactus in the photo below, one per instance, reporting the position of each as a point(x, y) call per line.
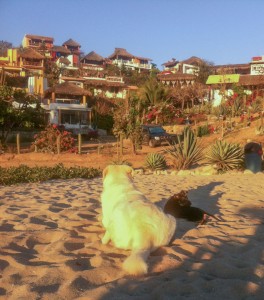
point(226, 156)
point(187, 152)
point(155, 161)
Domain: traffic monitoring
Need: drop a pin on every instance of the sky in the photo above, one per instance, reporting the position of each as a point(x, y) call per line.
point(218, 31)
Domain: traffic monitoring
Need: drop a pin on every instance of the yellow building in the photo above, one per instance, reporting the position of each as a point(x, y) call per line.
point(25, 63)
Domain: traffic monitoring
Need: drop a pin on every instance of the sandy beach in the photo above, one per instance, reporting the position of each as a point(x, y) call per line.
point(50, 244)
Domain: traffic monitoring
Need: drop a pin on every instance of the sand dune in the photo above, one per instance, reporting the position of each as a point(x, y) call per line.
point(50, 242)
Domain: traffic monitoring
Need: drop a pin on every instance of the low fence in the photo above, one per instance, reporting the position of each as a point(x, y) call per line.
point(108, 145)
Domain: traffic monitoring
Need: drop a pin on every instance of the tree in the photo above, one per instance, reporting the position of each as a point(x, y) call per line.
point(52, 72)
point(205, 69)
point(127, 121)
point(187, 96)
point(4, 46)
point(18, 109)
point(153, 92)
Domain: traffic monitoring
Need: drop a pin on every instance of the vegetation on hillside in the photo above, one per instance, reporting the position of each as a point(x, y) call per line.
point(18, 109)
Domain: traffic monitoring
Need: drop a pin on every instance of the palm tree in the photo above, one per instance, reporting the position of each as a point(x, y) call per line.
point(153, 92)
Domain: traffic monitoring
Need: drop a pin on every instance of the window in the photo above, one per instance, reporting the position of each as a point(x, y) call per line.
point(74, 117)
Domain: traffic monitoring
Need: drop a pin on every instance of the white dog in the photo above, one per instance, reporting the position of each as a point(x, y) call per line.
point(131, 221)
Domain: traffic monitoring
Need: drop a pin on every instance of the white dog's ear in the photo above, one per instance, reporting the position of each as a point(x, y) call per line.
point(105, 171)
point(130, 171)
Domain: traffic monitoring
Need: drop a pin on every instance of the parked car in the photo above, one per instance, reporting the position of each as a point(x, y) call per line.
point(155, 135)
point(86, 132)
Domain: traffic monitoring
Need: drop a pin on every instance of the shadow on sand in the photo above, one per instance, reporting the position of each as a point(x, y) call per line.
point(221, 268)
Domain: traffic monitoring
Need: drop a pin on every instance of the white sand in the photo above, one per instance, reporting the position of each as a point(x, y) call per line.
point(50, 242)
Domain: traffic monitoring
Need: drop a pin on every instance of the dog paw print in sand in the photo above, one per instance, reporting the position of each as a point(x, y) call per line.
point(58, 207)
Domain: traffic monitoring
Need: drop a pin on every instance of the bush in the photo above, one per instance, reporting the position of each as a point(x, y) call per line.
point(105, 122)
point(226, 156)
point(23, 173)
point(187, 152)
point(203, 130)
point(155, 161)
point(46, 140)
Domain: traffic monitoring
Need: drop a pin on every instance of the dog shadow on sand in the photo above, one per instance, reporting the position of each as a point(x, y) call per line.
point(201, 198)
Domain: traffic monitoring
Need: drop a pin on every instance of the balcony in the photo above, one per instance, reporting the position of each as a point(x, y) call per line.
point(114, 79)
point(68, 101)
point(131, 64)
point(34, 44)
point(32, 63)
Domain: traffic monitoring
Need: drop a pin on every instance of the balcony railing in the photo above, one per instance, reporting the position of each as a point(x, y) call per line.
point(68, 101)
point(32, 63)
point(114, 78)
point(131, 64)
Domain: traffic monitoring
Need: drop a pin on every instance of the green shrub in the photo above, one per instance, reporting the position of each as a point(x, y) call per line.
point(155, 161)
point(186, 153)
point(23, 173)
point(226, 156)
point(203, 130)
point(105, 122)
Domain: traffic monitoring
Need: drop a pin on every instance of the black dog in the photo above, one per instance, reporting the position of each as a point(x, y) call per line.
point(179, 206)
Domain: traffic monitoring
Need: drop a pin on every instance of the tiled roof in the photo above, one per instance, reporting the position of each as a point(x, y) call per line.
point(251, 80)
point(143, 58)
point(232, 68)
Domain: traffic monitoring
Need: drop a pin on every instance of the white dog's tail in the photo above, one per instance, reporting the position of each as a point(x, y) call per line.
point(136, 264)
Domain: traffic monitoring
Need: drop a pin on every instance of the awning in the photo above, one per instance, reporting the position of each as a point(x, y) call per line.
point(56, 106)
point(222, 79)
point(73, 108)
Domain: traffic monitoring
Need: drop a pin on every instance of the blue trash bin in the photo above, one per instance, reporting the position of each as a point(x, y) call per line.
point(253, 157)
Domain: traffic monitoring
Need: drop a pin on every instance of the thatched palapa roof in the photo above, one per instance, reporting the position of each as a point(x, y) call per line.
point(61, 49)
point(120, 52)
point(194, 60)
point(72, 43)
point(39, 37)
point(93, 56)
point(67, 88)
point(64, 60)
point(29, 53)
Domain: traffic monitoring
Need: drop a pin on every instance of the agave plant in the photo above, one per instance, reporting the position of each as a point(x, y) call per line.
point(155, 161)
point(226, 156)
point(186, 152)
